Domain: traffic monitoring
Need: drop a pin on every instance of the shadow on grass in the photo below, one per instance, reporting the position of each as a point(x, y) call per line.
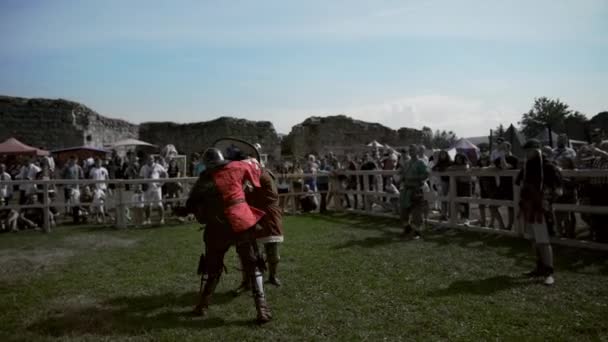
point(135, 314)
point(387, 237)
point(482, 287)
point(567, 258)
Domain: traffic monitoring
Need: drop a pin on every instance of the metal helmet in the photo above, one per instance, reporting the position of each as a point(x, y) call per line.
point(213, 156)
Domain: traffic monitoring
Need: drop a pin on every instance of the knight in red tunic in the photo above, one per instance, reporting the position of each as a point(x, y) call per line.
point(218, 201)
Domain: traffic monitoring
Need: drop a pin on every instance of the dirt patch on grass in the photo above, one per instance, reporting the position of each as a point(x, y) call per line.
point(18, 263)
point(15, 263)
point(99, 241)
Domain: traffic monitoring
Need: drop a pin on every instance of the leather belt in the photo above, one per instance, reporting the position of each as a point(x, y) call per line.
point(235, 202)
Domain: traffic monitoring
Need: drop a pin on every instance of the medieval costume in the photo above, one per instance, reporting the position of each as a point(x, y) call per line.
point(218, 201)
point(270, 227)
point(539, 180)
point(413, 176)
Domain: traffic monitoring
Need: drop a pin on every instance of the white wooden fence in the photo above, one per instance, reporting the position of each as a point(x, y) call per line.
point(368, 193)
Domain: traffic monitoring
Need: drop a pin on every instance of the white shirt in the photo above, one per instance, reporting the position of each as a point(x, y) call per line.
point(99, 197)
point(496, 154)
point(28, 173)
point(99, 173)
point(155, 171)
point(5, 190)
point(137, 200)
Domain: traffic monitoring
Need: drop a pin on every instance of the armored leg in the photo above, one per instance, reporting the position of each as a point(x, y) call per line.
point(214, 265)
point(205, 296)
point(253, 265)
point(273, 258)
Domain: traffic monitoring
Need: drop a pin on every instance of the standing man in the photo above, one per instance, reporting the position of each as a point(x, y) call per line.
point(99, 173)
point(413, 177)
point(5, 189)
point(154, 192)
point(540, 180)
point(29, 171)
point(506, 161)
point(218, 201)
point(563, 153)
point(71, 192)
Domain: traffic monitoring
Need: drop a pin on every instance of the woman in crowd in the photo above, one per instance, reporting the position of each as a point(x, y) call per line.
point(282, 185)
point(506, 161)
point(463, 185)
point(565, 221)
point(442, 164)
point(487, 190)
point(172, 189)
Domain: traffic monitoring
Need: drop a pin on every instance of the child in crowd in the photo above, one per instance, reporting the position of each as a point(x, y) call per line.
point(309, 201)
point(137, 206)
point(98, 205)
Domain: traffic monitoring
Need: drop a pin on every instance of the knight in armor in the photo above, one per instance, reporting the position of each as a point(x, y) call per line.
point(218, 201)
point(270, 227)
point(540, 180)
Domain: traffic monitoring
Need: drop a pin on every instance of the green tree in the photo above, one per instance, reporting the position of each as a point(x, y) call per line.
point(499, 131)
point(427, 136)
point(545, 112)
point(443, 139)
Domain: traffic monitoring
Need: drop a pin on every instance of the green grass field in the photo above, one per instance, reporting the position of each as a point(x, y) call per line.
point(345, 278)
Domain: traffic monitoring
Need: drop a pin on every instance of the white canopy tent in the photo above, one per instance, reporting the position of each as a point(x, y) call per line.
point(130, 142)
point(375, 144)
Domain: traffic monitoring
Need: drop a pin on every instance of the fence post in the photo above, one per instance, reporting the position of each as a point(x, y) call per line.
point(453, 212)
point(365, 197)
point(46, 210)
point(294, 198)
point(121, 219)
point(336, 191)
point(518, 227)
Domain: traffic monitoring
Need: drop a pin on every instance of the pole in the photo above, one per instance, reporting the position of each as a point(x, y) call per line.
point(490, 141)
point(550, 135)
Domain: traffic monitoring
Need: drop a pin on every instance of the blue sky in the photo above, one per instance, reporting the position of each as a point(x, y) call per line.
point(464, 65)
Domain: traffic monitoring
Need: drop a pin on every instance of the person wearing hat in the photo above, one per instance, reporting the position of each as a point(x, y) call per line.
point(539, 179)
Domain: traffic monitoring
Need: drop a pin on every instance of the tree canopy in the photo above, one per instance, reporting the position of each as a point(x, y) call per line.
point(545, 113)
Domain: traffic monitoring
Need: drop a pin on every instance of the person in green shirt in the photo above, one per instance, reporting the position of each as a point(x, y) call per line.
point(413, 176)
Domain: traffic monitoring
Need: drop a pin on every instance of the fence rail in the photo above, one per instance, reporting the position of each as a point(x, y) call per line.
point(365, 187)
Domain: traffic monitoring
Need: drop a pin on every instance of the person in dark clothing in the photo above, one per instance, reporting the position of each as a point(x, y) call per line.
point(369, 165)
point(539, 180)
point(506, 161)
point(443, 163)
point(487, 190)
point(351, 184)
point(463, 185)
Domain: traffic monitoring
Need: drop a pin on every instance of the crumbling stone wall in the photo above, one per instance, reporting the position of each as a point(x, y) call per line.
point(341, 134)
point(52, 124)
point(195, 137)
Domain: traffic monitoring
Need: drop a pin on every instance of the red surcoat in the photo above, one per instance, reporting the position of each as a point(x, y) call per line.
point(229, 181)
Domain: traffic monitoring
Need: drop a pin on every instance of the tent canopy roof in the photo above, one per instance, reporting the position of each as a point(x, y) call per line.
point(130, 142)
point(14, 146)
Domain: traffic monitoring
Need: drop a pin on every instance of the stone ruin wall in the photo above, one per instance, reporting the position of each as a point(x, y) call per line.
point(54, 124)
point(341, 134)
point(196, 137)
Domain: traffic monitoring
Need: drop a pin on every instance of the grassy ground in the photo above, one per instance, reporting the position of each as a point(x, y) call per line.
point(345, 278)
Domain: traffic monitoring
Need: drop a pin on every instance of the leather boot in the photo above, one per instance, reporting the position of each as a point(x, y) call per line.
point(272, 274)
point(263, 311)
point(244, 287)
point(261, 306)
point(205, 298)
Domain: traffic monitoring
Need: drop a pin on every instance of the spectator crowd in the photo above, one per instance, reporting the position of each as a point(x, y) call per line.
point(313, 184)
